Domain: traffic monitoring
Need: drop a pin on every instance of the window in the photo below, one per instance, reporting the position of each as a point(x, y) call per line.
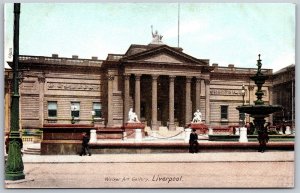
point(224, 112)
point(52, 109)
point(97, 108)
point(75, 109)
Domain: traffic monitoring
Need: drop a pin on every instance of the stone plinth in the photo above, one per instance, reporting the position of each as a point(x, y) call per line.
point(201, 128)
point(138, 135)
point(63, 139)
point(187, 135)
point(110, 133)
point(134, 130)
point(237, 131)
point(93, 136)
point(288, 130)
point(243, 134)
point(210, 131)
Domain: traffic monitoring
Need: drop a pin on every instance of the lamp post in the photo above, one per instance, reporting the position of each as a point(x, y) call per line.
point(14, 166)
point(243, 94)
point(93, 117)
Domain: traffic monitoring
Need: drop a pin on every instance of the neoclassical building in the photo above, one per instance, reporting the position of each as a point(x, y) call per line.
point(162, 84)
point(284, 94)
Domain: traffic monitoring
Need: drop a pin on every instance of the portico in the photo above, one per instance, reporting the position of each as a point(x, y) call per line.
point(162, 85)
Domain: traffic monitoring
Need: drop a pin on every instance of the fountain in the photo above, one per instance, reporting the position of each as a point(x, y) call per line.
point(259, 110)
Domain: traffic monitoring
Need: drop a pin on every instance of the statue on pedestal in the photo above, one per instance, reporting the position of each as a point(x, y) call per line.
point(156, 37)
point(132, 117)
point(197, 117)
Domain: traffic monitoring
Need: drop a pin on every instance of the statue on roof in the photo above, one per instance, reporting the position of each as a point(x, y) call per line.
point(156, 37)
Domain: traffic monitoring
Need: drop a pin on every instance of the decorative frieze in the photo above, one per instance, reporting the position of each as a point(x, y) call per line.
point(226, 92)
point(73, 86)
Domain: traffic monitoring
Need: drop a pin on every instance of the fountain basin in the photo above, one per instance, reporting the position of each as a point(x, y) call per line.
point(259, 110)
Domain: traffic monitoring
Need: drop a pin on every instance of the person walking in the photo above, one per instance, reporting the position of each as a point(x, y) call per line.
point(194, 145)
point(263, 139)
point(85, 145)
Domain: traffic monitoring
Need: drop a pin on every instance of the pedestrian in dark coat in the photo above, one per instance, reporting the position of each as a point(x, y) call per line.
point(85, 145)
point(263, 139)
point(194, 145)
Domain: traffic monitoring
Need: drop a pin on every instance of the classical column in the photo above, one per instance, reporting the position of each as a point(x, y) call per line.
point(198, 92)
point(188, 113)
point(270, 102)
point(137, 97)
point(126, 97)
point(154, 102)
point(41, 80)
point(171, 103)
point(207, 96)
point(110, 122)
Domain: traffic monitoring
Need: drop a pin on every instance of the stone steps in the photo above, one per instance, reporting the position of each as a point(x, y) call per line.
point(32, 151)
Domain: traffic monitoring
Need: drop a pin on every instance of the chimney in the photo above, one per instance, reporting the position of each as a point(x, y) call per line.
point(94, 58)
point(215, 65)
point(231, 65)
point(74, 56)
point(54, 55)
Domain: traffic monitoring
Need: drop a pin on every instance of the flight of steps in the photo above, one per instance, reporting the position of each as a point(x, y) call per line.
point(34, 149)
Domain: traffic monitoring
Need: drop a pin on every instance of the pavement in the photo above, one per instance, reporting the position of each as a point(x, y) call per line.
point(271, 169)
point(271, 156)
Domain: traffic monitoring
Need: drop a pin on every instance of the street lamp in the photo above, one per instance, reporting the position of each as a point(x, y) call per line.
point(243, 93)
point(14, 166)
point(243, 114)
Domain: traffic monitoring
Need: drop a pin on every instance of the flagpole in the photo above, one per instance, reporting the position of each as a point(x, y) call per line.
point(178, 24)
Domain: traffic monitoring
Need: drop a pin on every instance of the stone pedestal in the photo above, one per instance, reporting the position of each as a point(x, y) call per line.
point(200, 127)
point(187, 135)
point(237, 131)
point(288, 130)
point(124, 135)
point(134, 130)
point(154, 133)
point(243, 134)
point(210, 131)
point(138, 135)
point(93, 136)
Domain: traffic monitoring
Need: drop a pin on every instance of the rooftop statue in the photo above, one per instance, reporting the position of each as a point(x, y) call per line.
point(156, 37)
point(132, 117)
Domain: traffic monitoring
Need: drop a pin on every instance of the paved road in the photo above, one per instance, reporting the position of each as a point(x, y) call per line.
point(203, 170)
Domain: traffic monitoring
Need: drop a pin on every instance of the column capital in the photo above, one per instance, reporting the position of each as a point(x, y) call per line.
point(188, 79)
point(154, 77)
point(172, 78)
point(137, 76)
point(198, 79)
point(110, 77)
point(126, 76)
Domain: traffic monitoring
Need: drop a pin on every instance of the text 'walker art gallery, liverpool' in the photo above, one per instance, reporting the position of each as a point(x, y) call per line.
point(147, 100)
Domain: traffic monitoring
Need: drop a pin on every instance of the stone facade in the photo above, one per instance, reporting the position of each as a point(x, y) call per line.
point(162, 84)
point(284, 94)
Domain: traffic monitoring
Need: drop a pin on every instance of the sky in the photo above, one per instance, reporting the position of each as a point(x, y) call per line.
point(224, 33)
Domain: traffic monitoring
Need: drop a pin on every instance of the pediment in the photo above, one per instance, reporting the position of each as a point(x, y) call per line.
point(163, 54)
point(162, 58)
